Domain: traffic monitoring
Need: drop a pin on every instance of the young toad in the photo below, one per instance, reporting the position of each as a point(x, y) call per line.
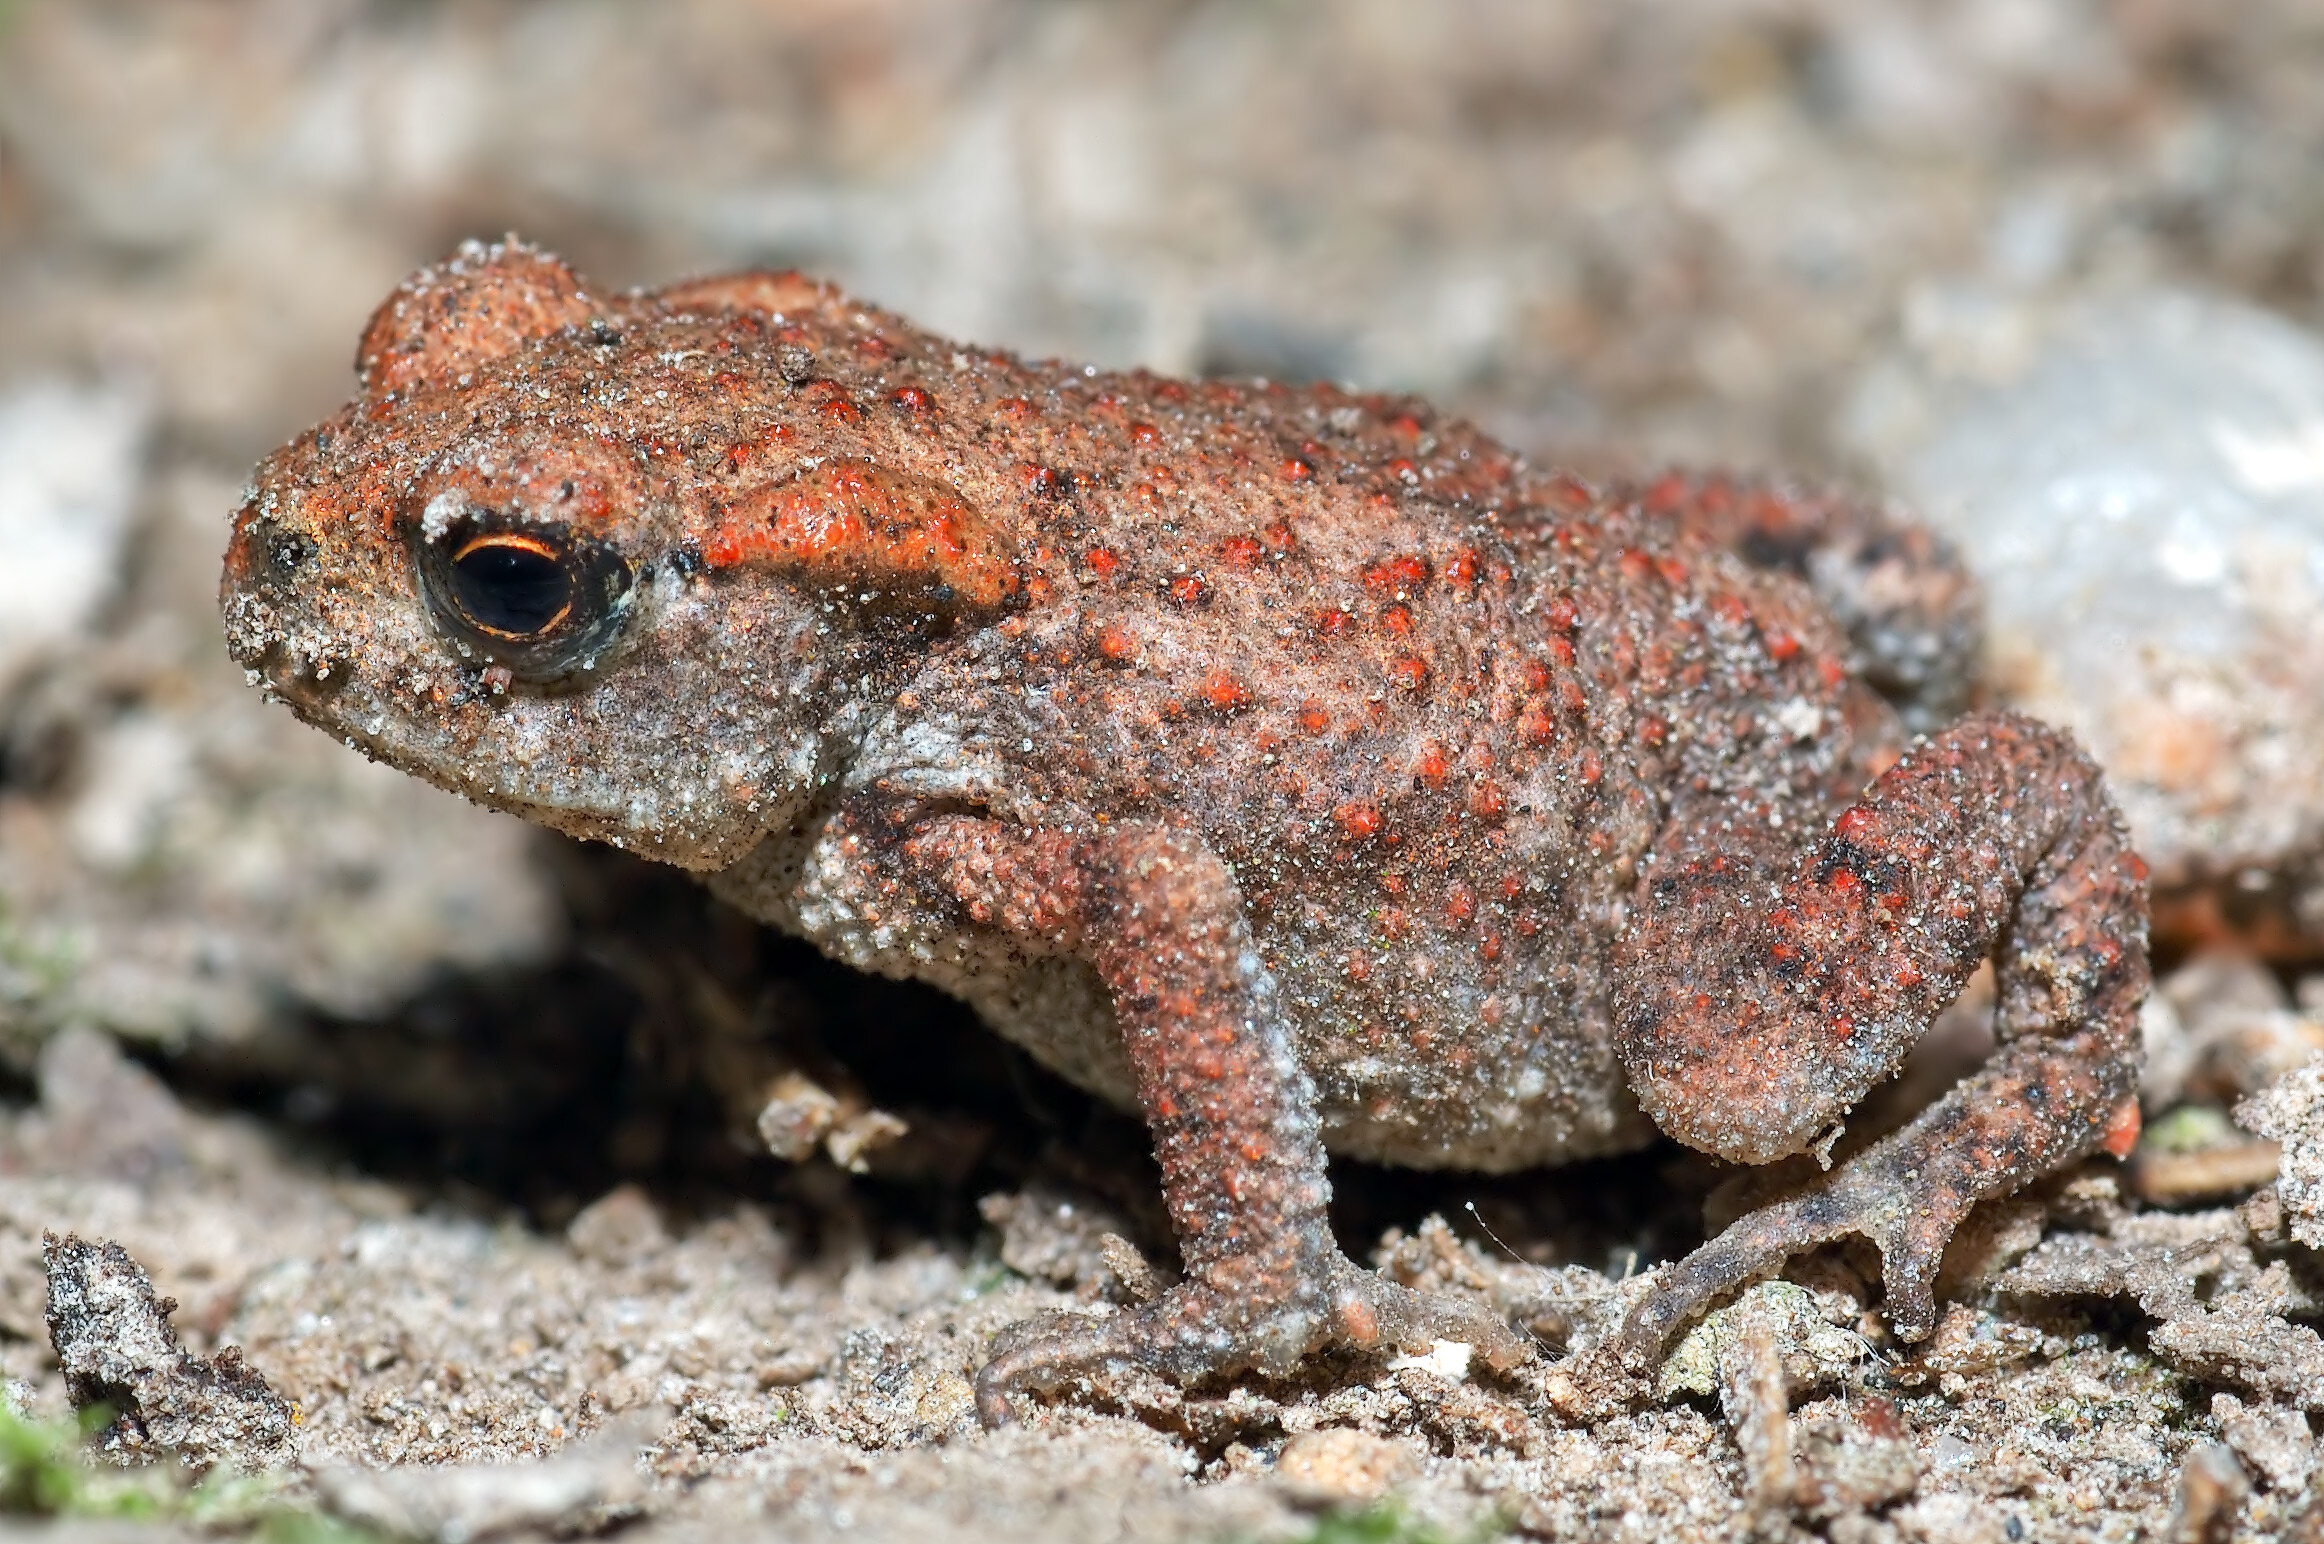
point(1298, 768)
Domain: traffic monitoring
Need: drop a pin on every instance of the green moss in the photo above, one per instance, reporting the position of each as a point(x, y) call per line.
point(288, 1527)
point(34, 970)
point(46, 1471)
point(2192, 1128)
point(1385, 1523)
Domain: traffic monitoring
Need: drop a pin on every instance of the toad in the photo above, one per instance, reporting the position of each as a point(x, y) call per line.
point(1296, 767)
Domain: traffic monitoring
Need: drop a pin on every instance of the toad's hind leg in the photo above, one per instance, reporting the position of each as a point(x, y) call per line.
point(1763, 989)
point(1900, 592)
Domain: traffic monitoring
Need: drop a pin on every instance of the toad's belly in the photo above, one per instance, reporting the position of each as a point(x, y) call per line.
point(1424, 1055)
point(1538, 1084)
point(1433, 1056)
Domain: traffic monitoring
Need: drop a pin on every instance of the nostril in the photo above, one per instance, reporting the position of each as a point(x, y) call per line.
point(288, 552)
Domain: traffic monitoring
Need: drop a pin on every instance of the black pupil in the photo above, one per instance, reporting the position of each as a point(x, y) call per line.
point(510, 588)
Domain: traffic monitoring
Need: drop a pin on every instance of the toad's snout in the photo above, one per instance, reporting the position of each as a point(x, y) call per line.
point(269, 631)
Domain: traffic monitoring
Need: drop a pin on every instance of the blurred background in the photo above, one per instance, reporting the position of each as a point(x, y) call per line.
point(2049, 269)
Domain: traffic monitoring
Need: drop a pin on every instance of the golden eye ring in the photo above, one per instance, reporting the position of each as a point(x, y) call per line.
point(541, 601)
point(513, 585)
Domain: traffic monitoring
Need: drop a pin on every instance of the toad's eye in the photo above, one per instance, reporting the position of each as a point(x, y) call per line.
point(534, 599)
point(512, 586)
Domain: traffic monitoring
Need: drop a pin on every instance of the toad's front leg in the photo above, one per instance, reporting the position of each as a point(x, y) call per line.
point(1159, 917)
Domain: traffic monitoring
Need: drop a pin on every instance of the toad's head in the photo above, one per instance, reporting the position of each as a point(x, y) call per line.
point(568, 556)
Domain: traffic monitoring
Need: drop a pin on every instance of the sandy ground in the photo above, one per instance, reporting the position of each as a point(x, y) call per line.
point(451, 1127)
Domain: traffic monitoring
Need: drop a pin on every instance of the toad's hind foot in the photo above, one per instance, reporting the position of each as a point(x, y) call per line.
point(1906, 1193)
point(1199, 1330)
point(1911, 1240)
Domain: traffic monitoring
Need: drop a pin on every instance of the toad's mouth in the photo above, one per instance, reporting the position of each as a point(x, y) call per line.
point(311, 688)
point(326, 697)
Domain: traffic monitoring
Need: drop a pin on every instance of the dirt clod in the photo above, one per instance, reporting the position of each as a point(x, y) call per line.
point(1070, 1241)
point(584, 1489)
point(2222, 1309)
point(2292, 1112)
point(2211, 1488)
point(1338, 1467)
point(2273, 1442)
point(1852, 1464)
point(114, 1339)
point(1753, 1395)
point(619, 1228)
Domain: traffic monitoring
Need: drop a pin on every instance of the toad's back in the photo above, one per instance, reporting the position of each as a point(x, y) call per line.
point(1429, 706)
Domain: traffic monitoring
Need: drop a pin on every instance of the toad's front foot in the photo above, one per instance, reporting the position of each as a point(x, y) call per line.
point(1204, 1329)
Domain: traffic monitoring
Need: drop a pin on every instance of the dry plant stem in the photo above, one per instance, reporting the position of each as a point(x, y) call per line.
point(1753, 1395)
